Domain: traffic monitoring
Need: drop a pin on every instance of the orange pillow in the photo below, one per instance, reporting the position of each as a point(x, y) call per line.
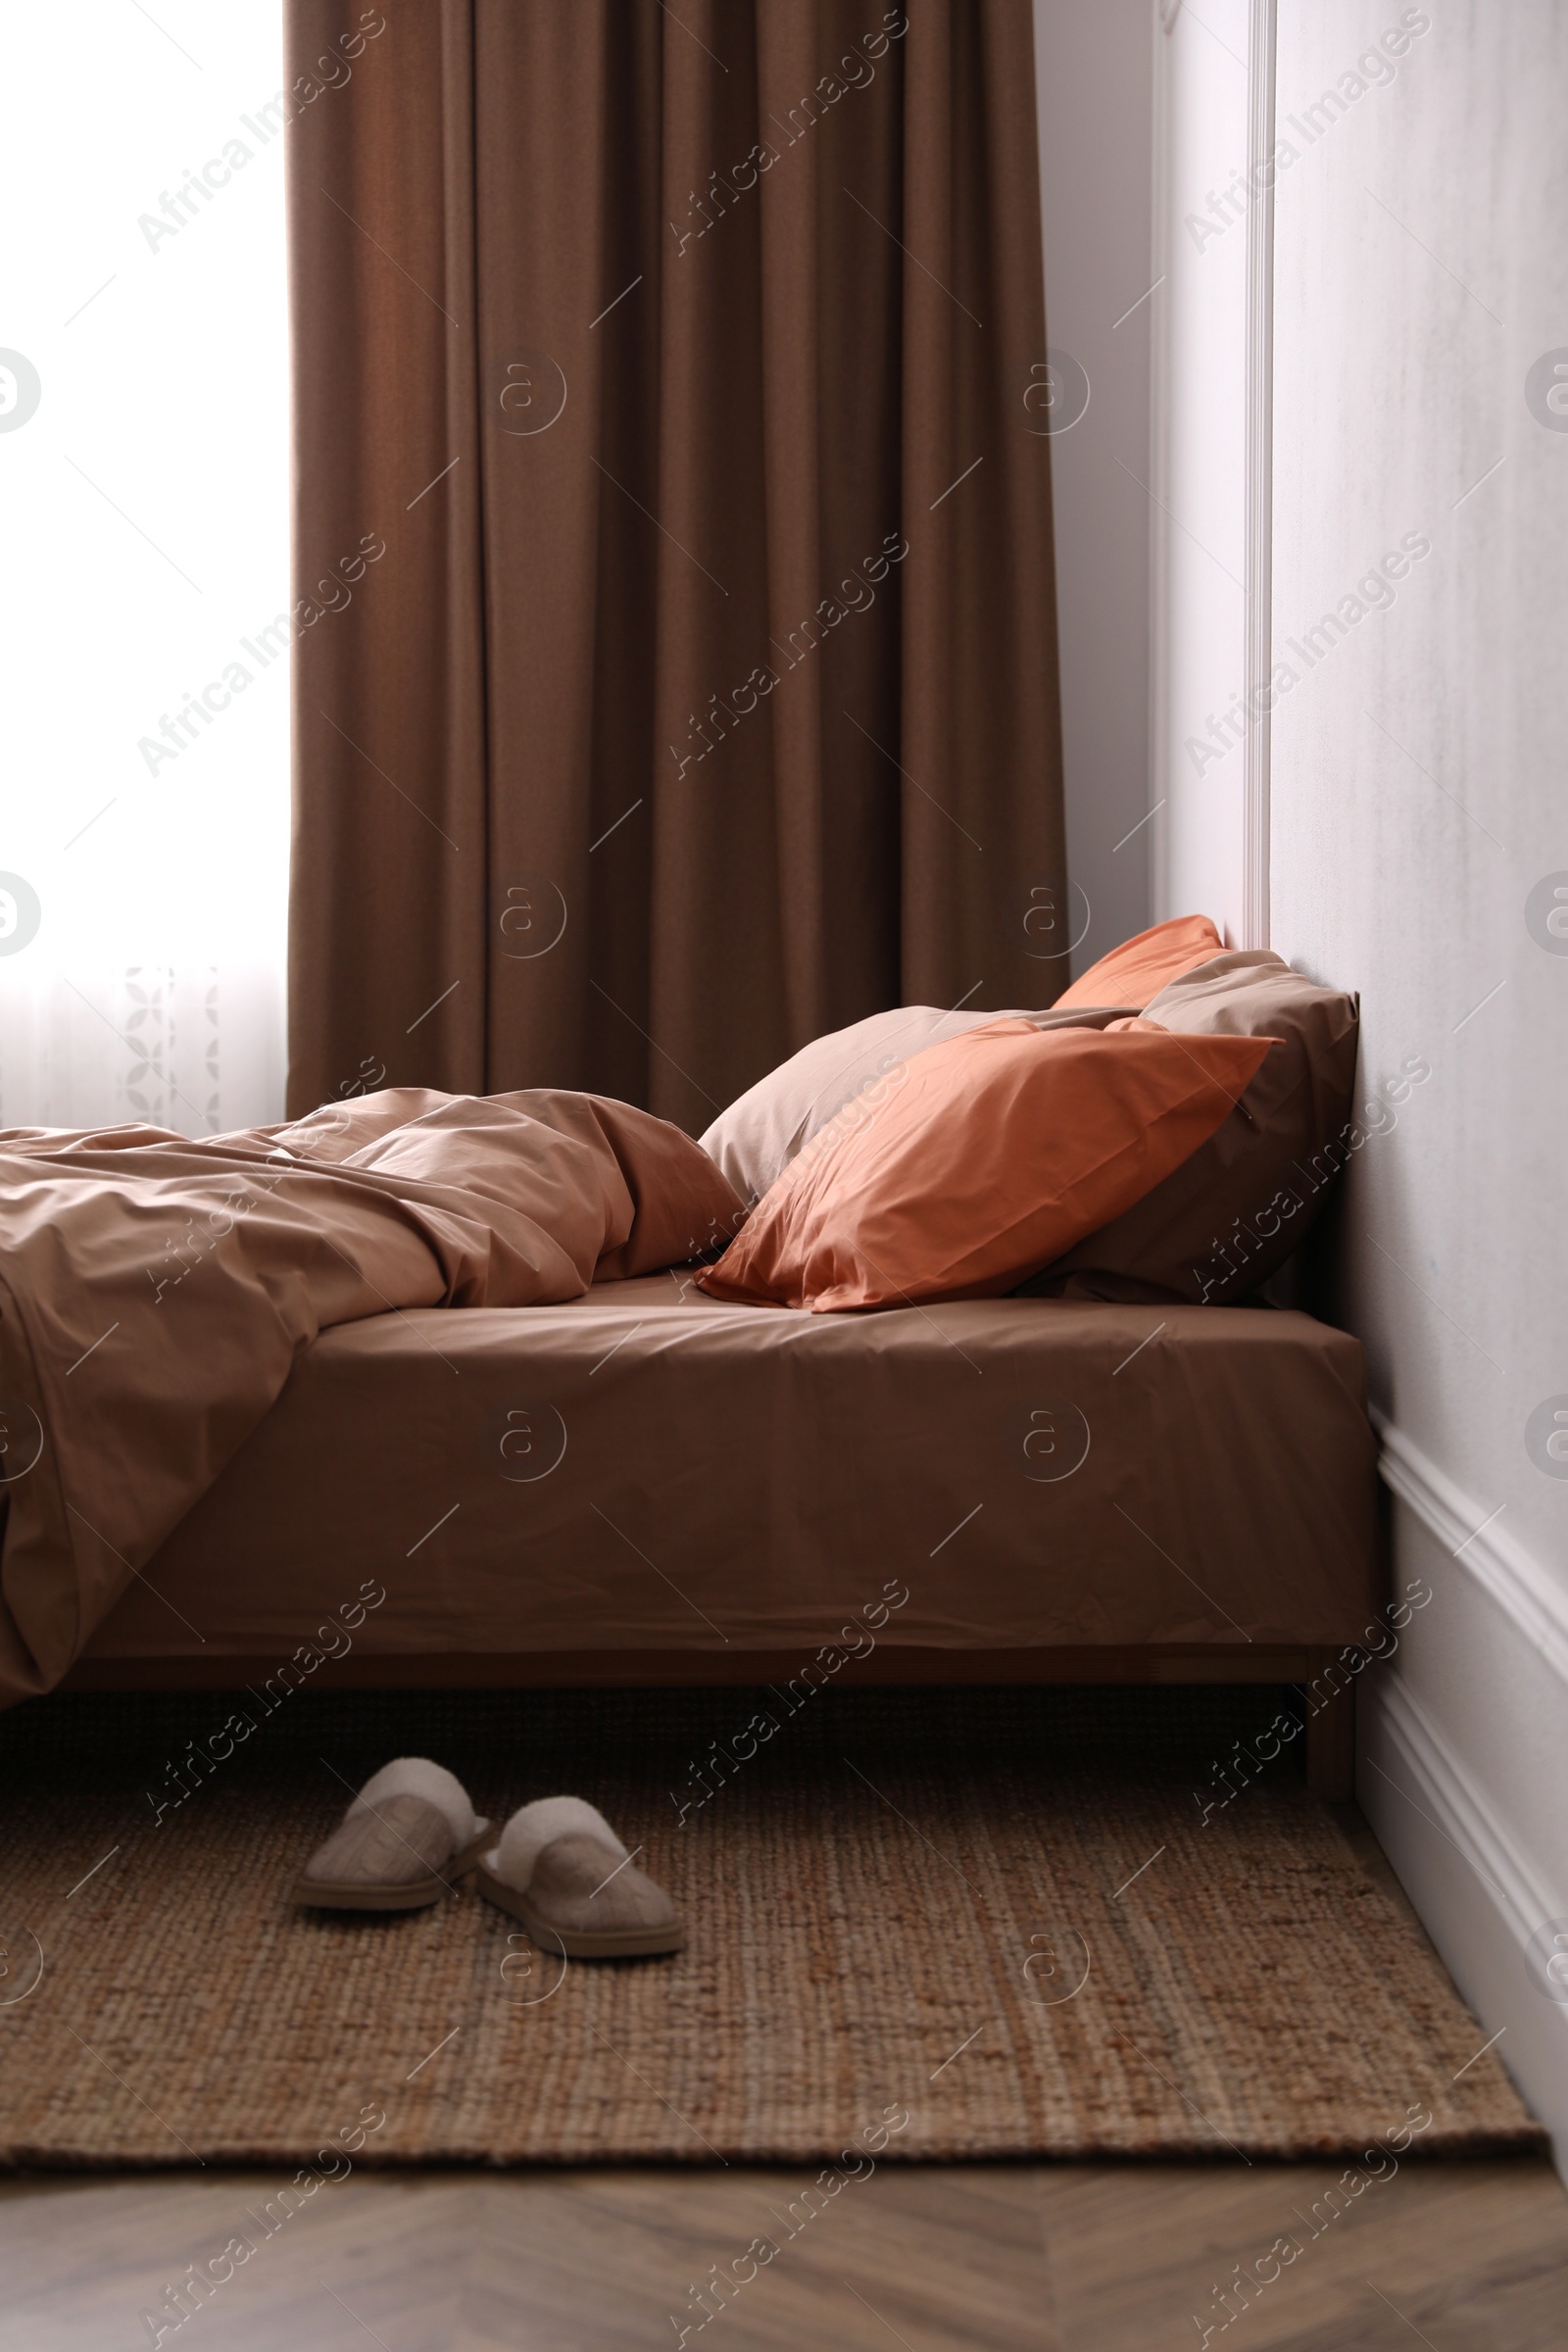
point(983, 1159)
point(1135, 972)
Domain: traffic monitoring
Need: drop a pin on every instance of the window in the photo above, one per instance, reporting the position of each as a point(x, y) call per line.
point(143, 488)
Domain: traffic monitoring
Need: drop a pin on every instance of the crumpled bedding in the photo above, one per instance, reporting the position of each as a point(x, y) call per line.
point(156, 1293)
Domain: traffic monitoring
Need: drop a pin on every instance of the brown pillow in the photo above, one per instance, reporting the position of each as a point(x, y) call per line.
point(1235, 1210)
point(762, 1130)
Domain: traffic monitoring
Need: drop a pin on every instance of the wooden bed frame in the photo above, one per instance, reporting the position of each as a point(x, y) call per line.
point(1330, 1722)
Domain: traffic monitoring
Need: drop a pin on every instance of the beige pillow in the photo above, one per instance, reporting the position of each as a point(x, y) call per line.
point(756, 1137)
point(1235, 1210)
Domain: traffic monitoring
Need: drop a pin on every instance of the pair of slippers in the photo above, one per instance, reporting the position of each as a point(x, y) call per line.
point(558, 1866)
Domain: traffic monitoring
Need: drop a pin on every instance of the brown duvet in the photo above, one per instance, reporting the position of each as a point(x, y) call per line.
point(157, 1293)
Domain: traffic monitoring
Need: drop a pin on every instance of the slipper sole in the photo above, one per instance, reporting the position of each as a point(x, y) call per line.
point(624, 1943)
point(416, 1895)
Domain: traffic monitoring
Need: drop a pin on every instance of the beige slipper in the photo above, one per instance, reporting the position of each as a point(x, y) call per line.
point(408, 1837)
point(561, 1869)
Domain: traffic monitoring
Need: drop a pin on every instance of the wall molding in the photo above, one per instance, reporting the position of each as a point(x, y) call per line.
point(1259, 463)
point(1461, 1809)
point(1158, 476)
point(1494, 1559)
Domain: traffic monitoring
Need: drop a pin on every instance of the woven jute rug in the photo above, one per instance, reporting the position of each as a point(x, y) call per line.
point(921, 1925)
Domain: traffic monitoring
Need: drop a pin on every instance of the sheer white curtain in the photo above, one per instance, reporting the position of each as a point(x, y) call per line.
point(143, 507)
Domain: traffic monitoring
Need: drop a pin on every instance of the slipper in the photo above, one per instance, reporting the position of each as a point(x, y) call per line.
point(562, 1870)
point(408, 1837)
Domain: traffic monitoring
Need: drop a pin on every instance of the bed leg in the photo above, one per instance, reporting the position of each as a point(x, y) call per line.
point(1331, 1738)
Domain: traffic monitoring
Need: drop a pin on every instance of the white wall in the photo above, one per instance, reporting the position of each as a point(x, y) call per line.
point(1093, 68)
point(1418, 799)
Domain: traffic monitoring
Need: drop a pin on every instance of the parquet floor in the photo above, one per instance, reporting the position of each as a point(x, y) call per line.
point(1078, 2258)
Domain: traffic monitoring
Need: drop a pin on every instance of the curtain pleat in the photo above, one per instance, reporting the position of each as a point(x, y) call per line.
point(703, 696)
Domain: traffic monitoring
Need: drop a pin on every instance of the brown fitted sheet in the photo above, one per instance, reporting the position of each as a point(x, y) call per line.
point(753, 1478)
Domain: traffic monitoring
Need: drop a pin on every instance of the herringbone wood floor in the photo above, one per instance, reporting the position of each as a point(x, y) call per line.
point(1077, 2258)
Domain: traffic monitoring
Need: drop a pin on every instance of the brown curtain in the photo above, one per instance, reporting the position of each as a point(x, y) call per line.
point(675, 665)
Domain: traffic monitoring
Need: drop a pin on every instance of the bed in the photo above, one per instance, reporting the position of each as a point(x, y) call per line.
point(648, 1486)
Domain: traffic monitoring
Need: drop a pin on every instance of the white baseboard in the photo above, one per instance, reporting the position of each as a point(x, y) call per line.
point(1462, 1812)
point(1476, 1892)
point(1480, 1892)
point(1504, 1570)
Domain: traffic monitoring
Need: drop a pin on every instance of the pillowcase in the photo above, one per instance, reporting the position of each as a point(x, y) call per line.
point(756, 1137)
point(984, 1156)
point(1227, 1217)
point(1141, 968)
